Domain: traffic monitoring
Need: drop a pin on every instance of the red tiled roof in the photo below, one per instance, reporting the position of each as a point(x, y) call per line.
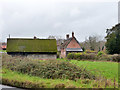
point(64, 45)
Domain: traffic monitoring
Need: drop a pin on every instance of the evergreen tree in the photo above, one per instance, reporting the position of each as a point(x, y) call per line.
point(113, 40)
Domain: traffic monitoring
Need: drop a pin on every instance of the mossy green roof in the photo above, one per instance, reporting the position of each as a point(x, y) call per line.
point(31, 45)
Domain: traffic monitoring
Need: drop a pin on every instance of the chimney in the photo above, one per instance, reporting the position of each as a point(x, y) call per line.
point(72, 34)
point(35, 37)
point(67, 36)
point(9, 35)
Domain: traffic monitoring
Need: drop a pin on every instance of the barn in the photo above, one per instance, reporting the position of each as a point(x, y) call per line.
point(32, 48)
point(70, 45)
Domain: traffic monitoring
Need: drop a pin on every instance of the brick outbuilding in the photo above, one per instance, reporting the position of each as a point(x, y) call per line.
point(70, 45)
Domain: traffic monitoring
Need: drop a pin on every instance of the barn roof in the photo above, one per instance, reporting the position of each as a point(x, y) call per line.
point(31, 45)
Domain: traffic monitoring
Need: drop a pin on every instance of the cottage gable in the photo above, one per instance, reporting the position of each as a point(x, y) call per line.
point(73, 44)
point(70, 45)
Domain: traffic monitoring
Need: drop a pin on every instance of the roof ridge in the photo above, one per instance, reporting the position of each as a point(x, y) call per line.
point(29, 39)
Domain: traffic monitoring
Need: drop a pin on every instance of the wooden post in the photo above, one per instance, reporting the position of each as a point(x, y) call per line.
point(114, 82)
point(105, 83)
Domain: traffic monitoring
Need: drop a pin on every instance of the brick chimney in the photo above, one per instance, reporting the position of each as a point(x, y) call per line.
point(72, 34)
point(67, 36)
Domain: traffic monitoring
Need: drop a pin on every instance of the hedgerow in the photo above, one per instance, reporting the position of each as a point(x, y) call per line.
point(81, 56)
point(91, 56)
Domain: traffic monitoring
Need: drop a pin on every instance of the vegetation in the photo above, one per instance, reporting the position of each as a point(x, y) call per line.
point(113, 40)
point(108, 70)
point(2, 50)
point(53, 69)
point(27, 73)
point(94, 43)
point(93, 57)
point(100, 53)
point(16, 79)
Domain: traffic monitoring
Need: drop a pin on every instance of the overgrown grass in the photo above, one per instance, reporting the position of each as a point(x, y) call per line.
point(106, 69)
point(12, 78)
point(51, 69)
point(2, 50)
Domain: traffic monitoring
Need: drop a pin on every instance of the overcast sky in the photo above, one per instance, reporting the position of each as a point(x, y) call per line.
point(41, 18)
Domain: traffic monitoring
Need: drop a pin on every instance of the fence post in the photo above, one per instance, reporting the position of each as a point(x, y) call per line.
point(114, 82)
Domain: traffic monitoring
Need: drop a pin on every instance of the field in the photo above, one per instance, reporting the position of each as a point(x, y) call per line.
point(12, 77)
point(107, 73)
point(106, 69)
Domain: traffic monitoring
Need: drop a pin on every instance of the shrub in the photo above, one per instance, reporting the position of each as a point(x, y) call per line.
point(91, 56)
point(104, 57)
point(78, 56)
point(81, 56)
point(54, 69)
point(90, 51)
point(100, 53)
point(51, 69)
point(116, 58)
point(70, 56)
point(58, 55)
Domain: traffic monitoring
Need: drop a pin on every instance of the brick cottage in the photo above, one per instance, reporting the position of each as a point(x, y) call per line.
point(70, 45)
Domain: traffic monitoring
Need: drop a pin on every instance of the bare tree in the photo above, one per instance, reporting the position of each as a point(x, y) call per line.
point(93, 42)
point(51, 37)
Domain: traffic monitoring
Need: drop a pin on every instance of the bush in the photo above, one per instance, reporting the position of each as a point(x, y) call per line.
point(58, 54)
point(81, 56)
point(100, 53)
point(104, 58)
point(92, 56)
point(90, 51)
point(77, 56)
point(54, 69)
point(115, 58)
point(51, 69)
point(70, 56)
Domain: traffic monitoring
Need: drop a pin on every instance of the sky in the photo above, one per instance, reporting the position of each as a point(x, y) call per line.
point(42, 18)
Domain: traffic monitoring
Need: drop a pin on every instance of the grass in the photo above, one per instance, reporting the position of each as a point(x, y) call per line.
point(49, 83)
point(2, 50)
point(106, 69)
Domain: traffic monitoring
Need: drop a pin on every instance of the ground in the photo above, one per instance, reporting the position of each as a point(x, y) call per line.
point(108, 70)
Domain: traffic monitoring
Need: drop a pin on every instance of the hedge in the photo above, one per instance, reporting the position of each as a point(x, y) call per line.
point(100, 56)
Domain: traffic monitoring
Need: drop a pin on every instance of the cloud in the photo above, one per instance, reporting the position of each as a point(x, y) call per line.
point(40, 18)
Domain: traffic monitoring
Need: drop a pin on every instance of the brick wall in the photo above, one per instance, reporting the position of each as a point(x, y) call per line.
point(63, 53)
point(73, 44)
